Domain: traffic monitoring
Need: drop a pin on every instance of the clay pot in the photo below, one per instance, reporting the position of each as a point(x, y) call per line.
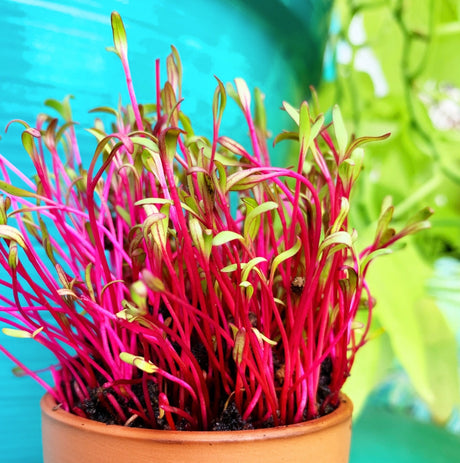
point(70, 439)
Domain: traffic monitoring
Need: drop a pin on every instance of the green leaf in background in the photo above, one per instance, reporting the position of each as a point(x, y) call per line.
point(419, 333)
point(397, 75)
point(372, 364)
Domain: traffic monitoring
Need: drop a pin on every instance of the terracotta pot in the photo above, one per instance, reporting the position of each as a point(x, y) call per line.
point(70, 439)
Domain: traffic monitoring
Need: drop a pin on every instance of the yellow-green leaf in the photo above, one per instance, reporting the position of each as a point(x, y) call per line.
point(340, 238)
point(341, 134)
point(294, 113)
point(138, 362)
point(251, 265)
point(119, 35)
point(16, 333)
point(238, 348)
point(10, 233)
point(252, 221)
point(225, 237)
point(15, 191)
point(281, 257)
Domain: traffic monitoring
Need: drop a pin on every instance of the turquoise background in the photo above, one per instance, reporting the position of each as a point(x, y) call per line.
point(49, 49)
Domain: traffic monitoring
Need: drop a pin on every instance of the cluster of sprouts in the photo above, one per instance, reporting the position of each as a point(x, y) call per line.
point(176, 277)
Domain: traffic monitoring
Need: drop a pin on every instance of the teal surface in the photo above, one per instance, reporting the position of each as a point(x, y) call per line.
point(52, 48)
point(381, 436)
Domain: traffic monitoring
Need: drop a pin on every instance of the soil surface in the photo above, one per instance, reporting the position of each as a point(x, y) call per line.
point(100, 405)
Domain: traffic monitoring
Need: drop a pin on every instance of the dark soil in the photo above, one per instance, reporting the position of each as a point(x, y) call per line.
point(98, 406)
point(230, 420)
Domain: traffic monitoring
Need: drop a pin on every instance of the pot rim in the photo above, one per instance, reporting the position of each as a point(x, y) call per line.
point(342, 413)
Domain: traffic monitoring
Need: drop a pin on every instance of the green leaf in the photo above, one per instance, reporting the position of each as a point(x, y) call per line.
point(245, 179)
point(13, 259)
point(67, 293)
point(343, 214)
point(15, 191)
point(153, 225)
point(304, 126)
point(5, 204)
point(28, 143)
point(373, 362)
point(170, 104)
point(63, 108)
point(172, 73)
point(250, 266)
point(119, 35)
point(339, 239)
point(381, 234)
point(363, 140)
point(246, 267)
point(10, 233)
point(153, 282)
point(316, 128)
point(175, 61)
point(238, 348)
point(260, 118)
point(16, 333)
point(232, 146)
point(168, 142)
point(243, 93)
point(374, 255)
point(230, 268)
point(123, 213)
point(421, 216)
point(50, 135)
point(139, 362)
point(252, 221)
point(18, 372)
point(222, 180)
point(285, 136)
point(19, 121)
point(104, 146)
point(196, 232)
point(293, 113)
point(249, 289)
point(138, 292)
point(261, 337)
point(419, 334)
point(145, 201)
point(415, 228)
point(284, 256)
point(88, 281)
point(357, 158)
point(231, 92)
point(225, 237)
point(105, 109)
point(62, 130)
point(340, 131)
point(145, 142)
point(219, 102)
point(97, 133)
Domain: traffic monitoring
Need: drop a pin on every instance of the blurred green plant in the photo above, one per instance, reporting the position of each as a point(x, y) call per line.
point(392, 70)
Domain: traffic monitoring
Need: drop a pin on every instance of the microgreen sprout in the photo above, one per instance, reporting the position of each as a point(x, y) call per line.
point(162, 303)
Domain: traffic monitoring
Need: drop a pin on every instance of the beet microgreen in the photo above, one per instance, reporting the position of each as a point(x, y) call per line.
point(176, 276)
